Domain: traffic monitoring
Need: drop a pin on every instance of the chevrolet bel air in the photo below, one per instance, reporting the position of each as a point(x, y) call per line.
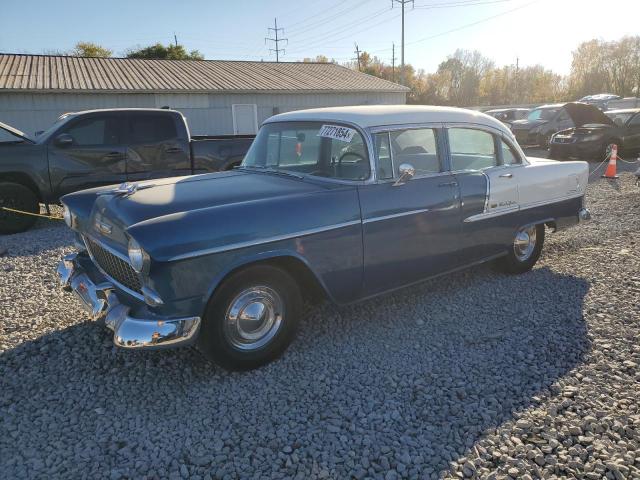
point(337, 203)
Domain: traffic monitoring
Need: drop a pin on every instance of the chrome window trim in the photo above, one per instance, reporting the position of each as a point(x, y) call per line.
point(394, 215)
point(109, 277)
point(253, 243)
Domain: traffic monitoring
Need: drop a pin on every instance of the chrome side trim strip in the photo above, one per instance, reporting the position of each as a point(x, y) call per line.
point(394, 215)
point(506, 211)
point(252, 243)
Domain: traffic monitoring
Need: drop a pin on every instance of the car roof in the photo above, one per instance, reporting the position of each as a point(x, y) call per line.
point(381, 115)
point(551, 105)
point(101, 110)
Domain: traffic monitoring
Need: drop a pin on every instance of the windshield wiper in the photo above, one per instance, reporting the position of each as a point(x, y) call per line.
point(263, 168)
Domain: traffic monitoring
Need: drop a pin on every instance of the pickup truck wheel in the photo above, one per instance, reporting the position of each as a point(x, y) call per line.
point(251, 319)
point(18, 197)
point(524, 252)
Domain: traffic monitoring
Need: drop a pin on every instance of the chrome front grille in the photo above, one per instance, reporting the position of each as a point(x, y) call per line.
point(114, 266)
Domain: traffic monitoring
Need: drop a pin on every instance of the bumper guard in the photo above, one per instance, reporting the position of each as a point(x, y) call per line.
point(102, 303)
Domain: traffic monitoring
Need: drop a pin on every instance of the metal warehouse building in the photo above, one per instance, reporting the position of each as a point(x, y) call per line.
point(217, 97)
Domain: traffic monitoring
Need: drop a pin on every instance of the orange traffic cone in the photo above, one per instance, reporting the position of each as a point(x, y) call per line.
point(610, 172)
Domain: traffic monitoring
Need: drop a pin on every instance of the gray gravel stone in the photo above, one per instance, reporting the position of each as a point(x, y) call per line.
point(534, 375)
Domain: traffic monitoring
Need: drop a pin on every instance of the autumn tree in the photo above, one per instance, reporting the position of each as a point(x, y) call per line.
point(160, 52)
point(90, 49)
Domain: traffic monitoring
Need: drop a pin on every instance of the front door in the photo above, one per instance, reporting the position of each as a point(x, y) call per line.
point(87, 152)
point(410, 230)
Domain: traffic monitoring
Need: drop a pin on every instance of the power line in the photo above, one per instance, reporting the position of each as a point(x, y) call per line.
point(276, 40)
point(321, 19)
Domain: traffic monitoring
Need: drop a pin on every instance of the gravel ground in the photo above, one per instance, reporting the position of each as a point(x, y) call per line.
point(472, 375)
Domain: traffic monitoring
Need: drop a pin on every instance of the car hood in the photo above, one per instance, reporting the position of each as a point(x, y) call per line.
point(583, 114)
point(170, 199)
point(16, 132)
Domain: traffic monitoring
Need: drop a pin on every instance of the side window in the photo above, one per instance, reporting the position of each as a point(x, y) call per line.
point(416, 147)
point(509, 155)
point(471, 149)
point(151, 128)
point(635, 120)
point(93, 131)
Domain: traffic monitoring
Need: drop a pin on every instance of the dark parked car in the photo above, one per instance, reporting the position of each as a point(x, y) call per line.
point(594, 139)
point(339, 203)
point(508, 115)
point(101, 147)
point(540, 124)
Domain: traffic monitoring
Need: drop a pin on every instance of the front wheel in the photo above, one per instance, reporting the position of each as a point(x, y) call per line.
point(17, 197)
point(251, 319)
point(524, 251)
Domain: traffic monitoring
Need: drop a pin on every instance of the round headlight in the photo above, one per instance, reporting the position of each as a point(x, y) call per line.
point(68, 217)
point(136, 256)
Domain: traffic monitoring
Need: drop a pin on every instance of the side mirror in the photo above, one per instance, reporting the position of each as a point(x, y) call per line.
point(64, 140)
point(407, 172)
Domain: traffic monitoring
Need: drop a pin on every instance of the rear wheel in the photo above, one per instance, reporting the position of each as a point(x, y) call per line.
point(17, 197)
point(524, 251)
point(251, 318)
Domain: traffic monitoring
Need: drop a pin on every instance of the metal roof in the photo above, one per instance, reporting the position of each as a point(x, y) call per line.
point(45, 73)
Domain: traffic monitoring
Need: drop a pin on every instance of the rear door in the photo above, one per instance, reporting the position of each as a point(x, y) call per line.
point(156, 146)
point(488, 169)
point(95, 156)
point(410, 230)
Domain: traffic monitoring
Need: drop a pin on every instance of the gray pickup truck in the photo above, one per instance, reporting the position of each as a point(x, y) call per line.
point(101, 147)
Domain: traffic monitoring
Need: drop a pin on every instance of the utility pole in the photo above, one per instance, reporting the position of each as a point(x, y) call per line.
point(517, 99)
point(393, 61)
point(175, 38)
point(403, 3)
point(357, 52)
point(276, 40)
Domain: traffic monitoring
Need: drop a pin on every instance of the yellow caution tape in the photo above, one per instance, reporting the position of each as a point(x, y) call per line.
point(50, 217)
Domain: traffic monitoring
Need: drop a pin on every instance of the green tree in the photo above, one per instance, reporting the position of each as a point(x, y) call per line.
point(90, 49)
point(170, 52)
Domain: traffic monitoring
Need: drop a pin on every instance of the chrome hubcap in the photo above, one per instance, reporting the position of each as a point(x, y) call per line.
point(254, 318)
point(525, 243)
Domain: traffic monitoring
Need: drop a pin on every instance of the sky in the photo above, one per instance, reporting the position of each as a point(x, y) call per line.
point(533, 31)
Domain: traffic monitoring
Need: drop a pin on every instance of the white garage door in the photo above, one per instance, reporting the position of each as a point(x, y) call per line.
point(245, 119)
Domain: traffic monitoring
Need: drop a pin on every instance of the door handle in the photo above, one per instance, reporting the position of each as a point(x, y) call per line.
point(113, 155)
point(506, 175)
point(173, 150)
point(448, 184)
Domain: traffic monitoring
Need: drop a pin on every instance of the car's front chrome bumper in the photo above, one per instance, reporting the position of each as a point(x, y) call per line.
point(103, 304)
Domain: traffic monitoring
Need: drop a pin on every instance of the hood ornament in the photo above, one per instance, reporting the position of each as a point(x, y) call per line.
point(125, 189)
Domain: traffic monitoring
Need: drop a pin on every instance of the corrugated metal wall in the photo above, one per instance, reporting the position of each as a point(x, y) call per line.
point(206, 113)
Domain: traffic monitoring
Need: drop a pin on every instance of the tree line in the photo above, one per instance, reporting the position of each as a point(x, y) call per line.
point(468, 78)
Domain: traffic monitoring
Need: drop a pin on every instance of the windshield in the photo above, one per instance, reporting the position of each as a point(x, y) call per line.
point(61, 119)
point(323, 149)
point(542, 114)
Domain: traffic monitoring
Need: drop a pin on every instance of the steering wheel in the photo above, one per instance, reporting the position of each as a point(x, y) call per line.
point(355, 154)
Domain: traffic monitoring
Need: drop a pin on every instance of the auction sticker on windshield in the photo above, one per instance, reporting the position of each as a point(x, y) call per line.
point(344, 134)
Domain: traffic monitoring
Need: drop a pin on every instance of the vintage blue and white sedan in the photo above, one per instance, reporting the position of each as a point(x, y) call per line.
point(338, 203)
